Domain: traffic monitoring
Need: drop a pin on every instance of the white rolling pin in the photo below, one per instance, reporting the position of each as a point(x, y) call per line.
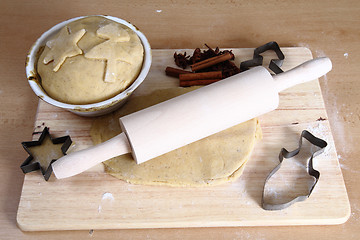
point(174, 123)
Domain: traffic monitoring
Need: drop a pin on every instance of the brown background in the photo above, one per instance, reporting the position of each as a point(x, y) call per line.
point(327, 28)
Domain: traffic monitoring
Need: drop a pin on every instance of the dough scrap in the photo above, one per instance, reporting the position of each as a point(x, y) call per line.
point(113, 33)
point(213, 160)
point(112, 50)
point(62, 47)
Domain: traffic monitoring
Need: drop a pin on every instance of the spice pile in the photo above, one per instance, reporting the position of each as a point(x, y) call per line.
point(207, 66)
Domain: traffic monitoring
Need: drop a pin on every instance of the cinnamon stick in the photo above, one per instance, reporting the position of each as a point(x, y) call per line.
point(189, 83)
point(200, 76)
point(174, 72)
point(212, 61)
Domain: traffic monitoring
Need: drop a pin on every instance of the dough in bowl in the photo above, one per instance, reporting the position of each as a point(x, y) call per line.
point(90, 60)
point(216, 159)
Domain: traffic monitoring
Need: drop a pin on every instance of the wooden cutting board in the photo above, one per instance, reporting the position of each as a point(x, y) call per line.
point(95, 200)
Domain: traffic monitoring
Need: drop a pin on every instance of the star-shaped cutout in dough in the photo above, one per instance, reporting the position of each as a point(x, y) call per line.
point(111, 50)
point(62, 47)
point(44, 152)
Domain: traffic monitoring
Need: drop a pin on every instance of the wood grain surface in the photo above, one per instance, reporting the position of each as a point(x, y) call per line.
point(327, 27)
point(81, 202)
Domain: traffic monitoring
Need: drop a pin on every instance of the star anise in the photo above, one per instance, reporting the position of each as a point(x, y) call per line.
point(181, 60)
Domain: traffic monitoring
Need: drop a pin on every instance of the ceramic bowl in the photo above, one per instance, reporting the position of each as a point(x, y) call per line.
point(94, 109)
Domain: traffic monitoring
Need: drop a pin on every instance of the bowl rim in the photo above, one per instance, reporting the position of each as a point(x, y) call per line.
point(40, 42)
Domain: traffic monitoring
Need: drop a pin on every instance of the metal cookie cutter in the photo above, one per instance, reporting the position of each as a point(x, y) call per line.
point(311, 171)
point(257, 60)
point(30, 164)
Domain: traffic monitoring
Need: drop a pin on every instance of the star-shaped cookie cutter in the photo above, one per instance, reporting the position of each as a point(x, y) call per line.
point(29, 166)
point(321, 144)
point(275, 64)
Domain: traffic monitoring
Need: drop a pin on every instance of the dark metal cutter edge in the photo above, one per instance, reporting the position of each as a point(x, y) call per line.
point(26, 167)
point(275, 64)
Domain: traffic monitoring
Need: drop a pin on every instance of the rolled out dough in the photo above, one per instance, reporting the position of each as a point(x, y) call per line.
point(213, 160)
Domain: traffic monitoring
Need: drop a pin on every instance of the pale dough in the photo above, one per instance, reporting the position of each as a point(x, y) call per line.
point(46, 152)
point(101, 58)
point(213, 160)
point(62, 47)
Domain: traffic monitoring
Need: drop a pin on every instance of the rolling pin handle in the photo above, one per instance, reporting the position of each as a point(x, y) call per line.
point(305, 72)
point(77, 162)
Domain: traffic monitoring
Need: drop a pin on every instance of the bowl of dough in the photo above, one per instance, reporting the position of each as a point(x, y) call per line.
point(88, 65)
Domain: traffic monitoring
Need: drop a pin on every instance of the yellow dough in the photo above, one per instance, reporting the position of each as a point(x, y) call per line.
point(46, 152)
point(213, 160)
point(62, 47)
point(90, 60)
